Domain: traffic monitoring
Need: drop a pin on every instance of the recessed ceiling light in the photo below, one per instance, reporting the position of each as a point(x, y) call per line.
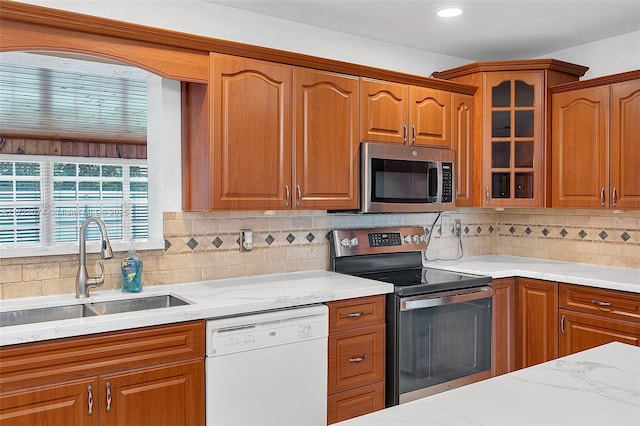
point(449, 12)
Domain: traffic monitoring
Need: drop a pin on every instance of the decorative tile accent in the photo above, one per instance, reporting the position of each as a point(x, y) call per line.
point(625, 236)
point(478, 229)
point(310, 237)
point(545, 232)
point(491, 229)
point(167, 244)
point(466, 230)
point(290, 238)
point(269, 240)
point(512, 230)
point(564, 232)
point(192, 243)
point(603, 235)
point(528, 231)
point(582, 233)
point(217, 242)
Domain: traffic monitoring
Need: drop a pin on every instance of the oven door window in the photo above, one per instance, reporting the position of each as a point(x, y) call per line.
point(403, 181)
point(444, 343)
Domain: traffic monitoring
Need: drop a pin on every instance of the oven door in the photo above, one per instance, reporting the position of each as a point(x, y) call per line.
point(441, 341)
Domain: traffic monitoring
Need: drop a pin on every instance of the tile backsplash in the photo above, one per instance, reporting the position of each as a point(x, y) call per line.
point(204, 246)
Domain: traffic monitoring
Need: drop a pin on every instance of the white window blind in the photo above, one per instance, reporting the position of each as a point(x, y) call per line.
point(44, 200)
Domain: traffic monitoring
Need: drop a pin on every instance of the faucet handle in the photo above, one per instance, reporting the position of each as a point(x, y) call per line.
point(97, 281)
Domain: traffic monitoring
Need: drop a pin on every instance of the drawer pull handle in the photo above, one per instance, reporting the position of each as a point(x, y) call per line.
point(599, 303)
point(562, 325)
point(90, 399)
point(356, 314)
point(108, 397)
point(358, 359)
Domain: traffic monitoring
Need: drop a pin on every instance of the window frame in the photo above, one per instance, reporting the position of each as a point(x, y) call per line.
point(155, 239)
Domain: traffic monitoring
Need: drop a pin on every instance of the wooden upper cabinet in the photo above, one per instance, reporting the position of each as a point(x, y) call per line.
point(251, 133)
point(430, 117)
point(509, 158)
point(384, 111)
point(401, 113)
point(625, 145)
point(326, 132)
point(579, 148)
point(596, 145)
point(462, 113)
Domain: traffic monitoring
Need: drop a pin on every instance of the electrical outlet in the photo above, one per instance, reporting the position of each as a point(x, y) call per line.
point(246, 240)
point(457, 227)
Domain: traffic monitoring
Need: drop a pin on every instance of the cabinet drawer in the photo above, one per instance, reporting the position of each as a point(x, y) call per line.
point(579, 332)
point(352, 313)
point(356, 358)
point(37, 363)
point(608, 303)
point(355, 402)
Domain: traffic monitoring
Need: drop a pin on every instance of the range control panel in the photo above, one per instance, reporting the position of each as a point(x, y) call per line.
point(349, 242)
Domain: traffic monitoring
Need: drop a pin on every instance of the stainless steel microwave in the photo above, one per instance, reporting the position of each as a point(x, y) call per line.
point(399, 178)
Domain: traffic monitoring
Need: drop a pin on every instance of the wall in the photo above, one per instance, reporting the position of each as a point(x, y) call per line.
point(203, 246)
point(603, 57)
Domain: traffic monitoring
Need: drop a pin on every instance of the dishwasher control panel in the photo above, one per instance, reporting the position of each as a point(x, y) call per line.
point(256, 331)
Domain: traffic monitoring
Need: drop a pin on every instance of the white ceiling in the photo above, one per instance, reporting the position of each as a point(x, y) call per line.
point(488, 30)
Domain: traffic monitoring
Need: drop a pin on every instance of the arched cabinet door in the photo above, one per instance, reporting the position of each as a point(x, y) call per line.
point(430, 117)
point(625, 145)
point(384, 111)
point(579, 148)
point(326, 132)
point(251, 133)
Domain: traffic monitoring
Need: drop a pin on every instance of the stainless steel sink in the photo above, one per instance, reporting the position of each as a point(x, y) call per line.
point(52, 313)
point(55, 313)
point(138, 304)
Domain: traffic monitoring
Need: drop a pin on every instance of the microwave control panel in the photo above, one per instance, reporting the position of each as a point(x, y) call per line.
point(447, 182)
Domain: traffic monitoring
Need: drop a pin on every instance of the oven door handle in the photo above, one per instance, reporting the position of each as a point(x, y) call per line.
point(445, 298)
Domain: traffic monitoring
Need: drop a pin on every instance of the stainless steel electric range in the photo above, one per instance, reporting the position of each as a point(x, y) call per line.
point(438, 332)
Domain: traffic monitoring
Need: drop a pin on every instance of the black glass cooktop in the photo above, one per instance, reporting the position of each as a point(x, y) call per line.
point(414, 281)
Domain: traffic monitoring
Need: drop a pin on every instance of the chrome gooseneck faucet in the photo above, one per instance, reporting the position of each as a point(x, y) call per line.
point(84, 281)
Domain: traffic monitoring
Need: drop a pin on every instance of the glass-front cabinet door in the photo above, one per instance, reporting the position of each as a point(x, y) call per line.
point(513, 135)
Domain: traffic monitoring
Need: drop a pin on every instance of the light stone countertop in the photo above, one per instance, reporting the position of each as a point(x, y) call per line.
point(600, 386)
point(209, 299)
point(244, 295)
point(499, 266)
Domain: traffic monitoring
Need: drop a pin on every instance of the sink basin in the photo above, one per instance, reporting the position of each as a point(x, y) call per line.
point(55, 313)
point(138, 304)
point(52, 313)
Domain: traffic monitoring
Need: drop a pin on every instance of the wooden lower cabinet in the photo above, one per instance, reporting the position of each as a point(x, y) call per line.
point(356, 402)
point(64, 403)
point(579, 332)
point(152, 376)
point(591, 317)
point(161, 396)
point(536, 322)
point(356, 374)
point(504, 326)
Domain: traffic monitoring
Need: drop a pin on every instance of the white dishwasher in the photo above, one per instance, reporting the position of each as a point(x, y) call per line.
point(268, 368)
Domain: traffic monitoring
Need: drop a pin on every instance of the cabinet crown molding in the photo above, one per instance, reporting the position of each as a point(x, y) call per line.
point(519, 65)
